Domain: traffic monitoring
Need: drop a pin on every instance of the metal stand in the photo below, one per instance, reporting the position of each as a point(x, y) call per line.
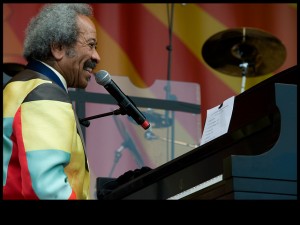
point(118, 155)
point(244, 67)
point(128, 143)
point(169, 96)
point(85, 122)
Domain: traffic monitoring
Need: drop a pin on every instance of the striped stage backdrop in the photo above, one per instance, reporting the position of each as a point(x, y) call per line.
point(133, 40)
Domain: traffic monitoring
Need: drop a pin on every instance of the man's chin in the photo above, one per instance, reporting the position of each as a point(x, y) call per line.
point(82, 85)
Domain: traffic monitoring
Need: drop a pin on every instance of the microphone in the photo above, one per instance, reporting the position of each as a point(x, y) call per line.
point(103, 78)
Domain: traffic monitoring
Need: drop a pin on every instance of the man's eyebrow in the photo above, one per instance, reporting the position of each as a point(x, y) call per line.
point(91, 39)
point(87, 39)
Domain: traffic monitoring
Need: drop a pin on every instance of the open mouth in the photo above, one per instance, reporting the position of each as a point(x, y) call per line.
point(89, 70)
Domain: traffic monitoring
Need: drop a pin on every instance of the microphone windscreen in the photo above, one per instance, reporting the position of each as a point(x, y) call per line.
point(102, 77)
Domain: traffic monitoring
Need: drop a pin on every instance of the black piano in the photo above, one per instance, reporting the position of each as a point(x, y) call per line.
point(255, 159)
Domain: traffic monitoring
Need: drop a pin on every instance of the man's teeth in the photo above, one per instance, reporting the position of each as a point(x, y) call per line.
point(88, 69)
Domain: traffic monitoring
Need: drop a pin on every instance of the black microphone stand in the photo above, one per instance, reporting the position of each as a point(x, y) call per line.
point(85, 122)
point(169, 96)
point(128, 142)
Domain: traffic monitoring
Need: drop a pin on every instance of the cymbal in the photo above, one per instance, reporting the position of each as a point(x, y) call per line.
point(227, 50)
point(11, 69)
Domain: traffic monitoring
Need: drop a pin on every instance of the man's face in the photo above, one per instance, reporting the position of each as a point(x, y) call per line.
point(78, 62)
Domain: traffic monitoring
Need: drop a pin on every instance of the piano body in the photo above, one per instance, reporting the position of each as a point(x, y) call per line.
point(255, 159)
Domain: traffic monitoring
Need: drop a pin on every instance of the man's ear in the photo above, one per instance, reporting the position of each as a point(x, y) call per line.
point(58, 51)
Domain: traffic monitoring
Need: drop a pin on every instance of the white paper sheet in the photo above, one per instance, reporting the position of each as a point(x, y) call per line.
point(217, 120)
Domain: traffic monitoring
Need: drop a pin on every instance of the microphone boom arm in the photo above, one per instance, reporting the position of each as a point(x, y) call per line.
point(85, 122)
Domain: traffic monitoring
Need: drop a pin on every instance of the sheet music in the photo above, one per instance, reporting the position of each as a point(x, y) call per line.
point(217, 120)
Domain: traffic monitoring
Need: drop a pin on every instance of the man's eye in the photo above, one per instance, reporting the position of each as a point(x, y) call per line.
point(93, 45)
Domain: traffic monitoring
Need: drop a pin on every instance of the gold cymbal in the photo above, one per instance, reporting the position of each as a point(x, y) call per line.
point(11, 69)
point(227, 50)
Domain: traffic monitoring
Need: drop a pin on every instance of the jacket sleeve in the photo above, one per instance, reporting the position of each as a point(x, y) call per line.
point(48, 133)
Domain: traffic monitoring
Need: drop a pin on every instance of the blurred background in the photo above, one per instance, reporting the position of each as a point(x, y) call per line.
point(181, 59)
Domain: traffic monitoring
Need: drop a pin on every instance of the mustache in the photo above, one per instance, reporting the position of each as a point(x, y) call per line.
point(90, 64)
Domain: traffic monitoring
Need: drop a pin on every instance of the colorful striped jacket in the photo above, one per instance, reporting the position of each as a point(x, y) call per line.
point(43, 154)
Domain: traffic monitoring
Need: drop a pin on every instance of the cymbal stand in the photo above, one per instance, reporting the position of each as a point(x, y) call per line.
point(118, 155)
point(131, 146)
point(244, 67)
point(128, 143)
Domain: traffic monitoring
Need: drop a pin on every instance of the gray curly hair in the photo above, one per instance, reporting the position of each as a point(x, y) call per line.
point(56, 23)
